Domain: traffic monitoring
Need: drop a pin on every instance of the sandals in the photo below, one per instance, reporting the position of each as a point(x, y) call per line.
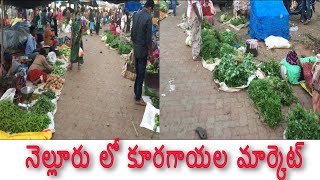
point(140, 103)
point(202, 133)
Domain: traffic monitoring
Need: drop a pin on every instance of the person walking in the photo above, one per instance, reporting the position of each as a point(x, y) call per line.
point(91, 19)
point(98, 21)
point(76, 40)
point(306, 12)
point(141, 36)
point(195, 18)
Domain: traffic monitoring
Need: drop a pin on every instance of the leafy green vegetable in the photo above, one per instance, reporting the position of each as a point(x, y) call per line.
point(124, 48)
point(115, 43)
point(206, 24)
point(152, 69)
point(235, 73)
point(59, 70)
point(49, 94)
point(238, 21)
point(163, 6)
point(210, 47)
point(226, 49)
point(157, 122)
point(284, 90)
point(43, 106)
point(210, 61)
point(267, 101)
point(153, 96)
point(16, 120)
point(110, 37)
point(303, 124)
point(271, 68)
point(58, 63)
point(65, 50)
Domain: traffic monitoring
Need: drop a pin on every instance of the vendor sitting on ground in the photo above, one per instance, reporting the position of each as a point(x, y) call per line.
point(31, 47)
point(208, 11)
point(49, 39)
point(39, 68)
point(113, 27)
point(11, 74)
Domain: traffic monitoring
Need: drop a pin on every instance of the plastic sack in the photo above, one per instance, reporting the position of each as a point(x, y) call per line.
point(9, 95)
point(81, 52)
point(148, 120)
point(45, 135)
point(293, 71)
point(189, 41)
point(52, 57)
point(274, 42)
point(211, 67)
point(224, 87)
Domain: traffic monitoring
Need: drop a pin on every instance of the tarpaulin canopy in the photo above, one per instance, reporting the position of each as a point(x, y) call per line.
point(27, 4)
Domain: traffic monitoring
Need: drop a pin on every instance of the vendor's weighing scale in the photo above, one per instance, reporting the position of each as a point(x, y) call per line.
point(26, 93)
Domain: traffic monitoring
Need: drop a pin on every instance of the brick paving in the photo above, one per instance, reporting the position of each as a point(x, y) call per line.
point(196, 101)
point(97, 102)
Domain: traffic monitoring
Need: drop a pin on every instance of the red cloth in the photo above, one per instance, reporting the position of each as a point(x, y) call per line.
point(206, 11)
point(35, 74)
point(307, 74)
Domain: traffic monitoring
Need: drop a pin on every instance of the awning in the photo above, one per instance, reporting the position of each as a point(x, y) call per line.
point(27, 4)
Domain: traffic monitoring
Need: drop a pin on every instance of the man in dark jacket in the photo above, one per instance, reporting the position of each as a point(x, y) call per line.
point(141, 36)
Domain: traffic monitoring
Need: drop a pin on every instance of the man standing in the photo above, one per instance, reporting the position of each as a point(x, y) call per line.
point(141, 36)
point(195, 18)
point(306, 12)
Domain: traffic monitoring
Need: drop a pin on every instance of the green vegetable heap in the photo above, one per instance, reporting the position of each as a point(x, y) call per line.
point(152, 69)
point(49, 94)
point(157, 122)
point(115, 43)
point(153, 96)
point(238, 21)
point(235, 73)
point(163, 6)
point(269, 95)
point(43, 106)
point(58, 70)
point(124, 48)
point(16, 120)
point(303, 124)
point(66, 51)
point(271, 68)
point(206, 24)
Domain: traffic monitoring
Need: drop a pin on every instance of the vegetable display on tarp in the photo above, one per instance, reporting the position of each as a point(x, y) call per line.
point(124, 48)
point(16, 120)
point(302, 124)
point(235, 73)
point(153, 96)
point(269, 95)
point(270, 68)
point(43, 106)
point(238, 21)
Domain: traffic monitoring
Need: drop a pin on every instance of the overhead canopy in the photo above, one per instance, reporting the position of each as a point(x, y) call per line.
point(27, 4)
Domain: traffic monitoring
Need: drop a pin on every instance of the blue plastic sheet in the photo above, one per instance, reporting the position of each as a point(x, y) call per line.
point(133, 6)
point(268, 18)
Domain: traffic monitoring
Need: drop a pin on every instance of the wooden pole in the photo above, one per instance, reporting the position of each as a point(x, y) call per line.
point(2, 31)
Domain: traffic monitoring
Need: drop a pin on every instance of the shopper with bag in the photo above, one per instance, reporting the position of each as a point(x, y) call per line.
point(76, 42)
point(141, 36)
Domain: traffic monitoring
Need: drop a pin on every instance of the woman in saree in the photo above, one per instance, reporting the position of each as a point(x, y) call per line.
point(76, 40)
point(49, 39)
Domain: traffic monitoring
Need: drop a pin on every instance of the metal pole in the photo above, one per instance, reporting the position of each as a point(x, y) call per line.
point(2, 31)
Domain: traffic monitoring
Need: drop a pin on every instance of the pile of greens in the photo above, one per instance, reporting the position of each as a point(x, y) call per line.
point(303, 124)
point(124, 48)
point(43, 106)
point(163, 6)
point(206, 24)
point(153, 96)
point(271, 68)
point(284, 90)
point(234, 73)
point(227, 49)
point(232, 38)
point(210, 47)
point(110, 37)
point(152, 69)
point(238, 21)
point(58, 70)
point(49, 94)
point(115, 43)
point(266, 101)
point(65, 50)
point(58, 63)
point(16, 120)
point(157, 122)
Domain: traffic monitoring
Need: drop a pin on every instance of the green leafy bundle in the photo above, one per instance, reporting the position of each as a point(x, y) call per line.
point(43, 106)
point(163, 6)
point(238, 21)
point(210, 47)
point(110, 38)
point(115, 43)
point(267, 101)
point(271, 68)
point(49, 94)
point(157, 122)
point(232, 38)
point(152, 69)
point(124, 48)
point(284, 90)
point(206, 24)
point(58, 70)
point(16, 120)
point(235, 73)
point(226, 49)
point(303, 124)
point(153, 96)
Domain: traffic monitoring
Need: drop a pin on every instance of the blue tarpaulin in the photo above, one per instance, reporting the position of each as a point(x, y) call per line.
point(268, 18)
point(133, 6)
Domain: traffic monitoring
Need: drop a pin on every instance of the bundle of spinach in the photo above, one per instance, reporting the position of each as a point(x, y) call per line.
point(271, 68)
point(234, 73)
point(152, 69)
point(16, 120)
point(284, 90)
point(124, 48)
point(43, 106)
point(153, 96)
point(232, 38)
point(238, 21)
point(210, 47)
point(157, 122)
point(110, 38)
point(58, 63)
point(303, 124)
point(206, 24)
point(115, 43)
point(227, 49)
point(49, 94)
point(267, 101)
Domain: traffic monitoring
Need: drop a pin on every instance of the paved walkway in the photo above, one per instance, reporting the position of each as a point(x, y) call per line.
point(97, 102)
point(196, 101)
